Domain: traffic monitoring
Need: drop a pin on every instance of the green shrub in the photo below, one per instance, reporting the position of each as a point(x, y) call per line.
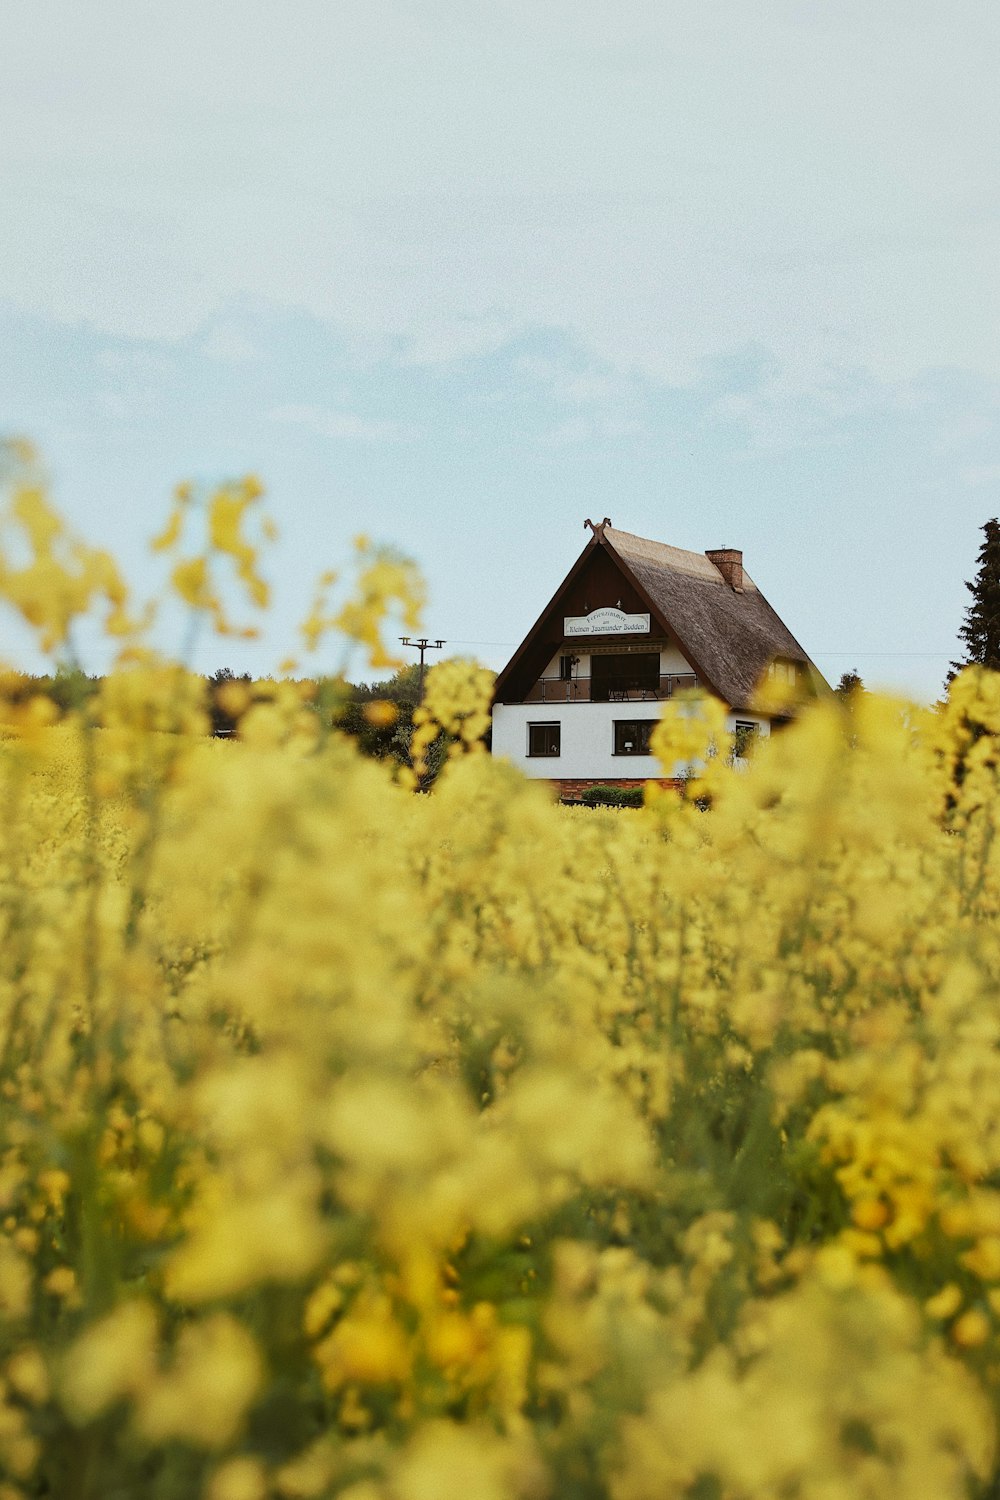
point(612, 796)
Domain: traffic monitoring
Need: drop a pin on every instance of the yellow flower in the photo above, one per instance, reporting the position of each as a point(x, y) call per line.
point(446, 1459)
point(241, 1478)
point(381, 713)
point(204, 1396)
point(836, 1265)
point(367, 1345)
point(983, 1260)
point(869, 1213)
point(945, 1303)
point(972, 1329)
point(236, 1243)
point(170, 535)
point(190, 581)
point(28, 1374)
point(61, 1282)
point(111, 1359)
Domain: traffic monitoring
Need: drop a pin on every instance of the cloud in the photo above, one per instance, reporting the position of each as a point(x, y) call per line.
point(455, 340)
point(780, 412)
point(667, 183)
point(344, 424)
point(229, 345)
point(574, 380)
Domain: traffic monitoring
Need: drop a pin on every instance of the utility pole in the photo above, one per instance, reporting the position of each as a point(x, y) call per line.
point(422, 646)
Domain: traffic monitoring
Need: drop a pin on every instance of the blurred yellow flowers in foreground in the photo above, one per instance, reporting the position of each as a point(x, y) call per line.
point(394, 1147)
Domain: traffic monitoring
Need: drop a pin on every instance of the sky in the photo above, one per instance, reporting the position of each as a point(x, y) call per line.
point(458, 276)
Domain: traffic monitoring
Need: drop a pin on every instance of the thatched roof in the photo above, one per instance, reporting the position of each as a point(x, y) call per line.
point(729, 635)
point(732, 637)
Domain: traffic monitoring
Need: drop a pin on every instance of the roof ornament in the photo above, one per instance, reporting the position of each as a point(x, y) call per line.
point(597, 527)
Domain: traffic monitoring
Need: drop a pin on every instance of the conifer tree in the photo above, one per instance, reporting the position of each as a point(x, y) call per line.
point(849, 686)
point(981, 630)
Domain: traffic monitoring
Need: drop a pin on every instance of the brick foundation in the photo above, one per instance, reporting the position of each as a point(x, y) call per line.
point(571, 789)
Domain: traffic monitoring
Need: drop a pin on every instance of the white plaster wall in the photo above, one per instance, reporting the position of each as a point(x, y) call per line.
point(587, 739)
point(671, 660)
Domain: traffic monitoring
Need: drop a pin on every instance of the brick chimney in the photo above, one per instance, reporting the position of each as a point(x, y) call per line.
point(729, 561)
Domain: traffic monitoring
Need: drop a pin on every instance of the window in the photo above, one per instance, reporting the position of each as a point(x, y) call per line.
point(745, 733)
point(632, 736)
point(566, 666)
point(630, 674)
point(543, 739)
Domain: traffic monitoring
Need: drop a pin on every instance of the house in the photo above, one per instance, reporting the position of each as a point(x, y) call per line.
point(633, 623)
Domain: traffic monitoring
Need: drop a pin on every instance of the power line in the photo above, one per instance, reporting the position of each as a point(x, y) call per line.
point(922, 655)
point(830, 651)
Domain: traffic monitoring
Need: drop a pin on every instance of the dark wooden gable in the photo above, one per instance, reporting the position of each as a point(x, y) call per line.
point(598, 579)
point(728, 635)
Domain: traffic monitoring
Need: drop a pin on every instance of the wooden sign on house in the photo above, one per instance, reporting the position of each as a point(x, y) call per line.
point(633, 623)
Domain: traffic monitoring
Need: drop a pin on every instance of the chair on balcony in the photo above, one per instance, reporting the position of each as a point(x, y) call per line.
point(629, 689)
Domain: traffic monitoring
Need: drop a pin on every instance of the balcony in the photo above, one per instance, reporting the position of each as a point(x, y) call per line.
point(624, 689)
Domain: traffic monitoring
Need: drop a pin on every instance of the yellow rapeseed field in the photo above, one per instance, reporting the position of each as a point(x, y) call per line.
point(465, 1147)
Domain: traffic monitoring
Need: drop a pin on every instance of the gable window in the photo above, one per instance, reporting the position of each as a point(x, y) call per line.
point(543, 739)
point(632, 736)
point(567, 666)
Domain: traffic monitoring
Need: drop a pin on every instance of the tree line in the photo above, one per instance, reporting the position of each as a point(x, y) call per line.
point(379, 715)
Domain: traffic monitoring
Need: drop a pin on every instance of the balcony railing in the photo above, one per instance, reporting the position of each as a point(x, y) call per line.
point(621, 690)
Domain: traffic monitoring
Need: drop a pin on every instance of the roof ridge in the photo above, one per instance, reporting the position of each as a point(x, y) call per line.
point(678, 558)
point(651, 539)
